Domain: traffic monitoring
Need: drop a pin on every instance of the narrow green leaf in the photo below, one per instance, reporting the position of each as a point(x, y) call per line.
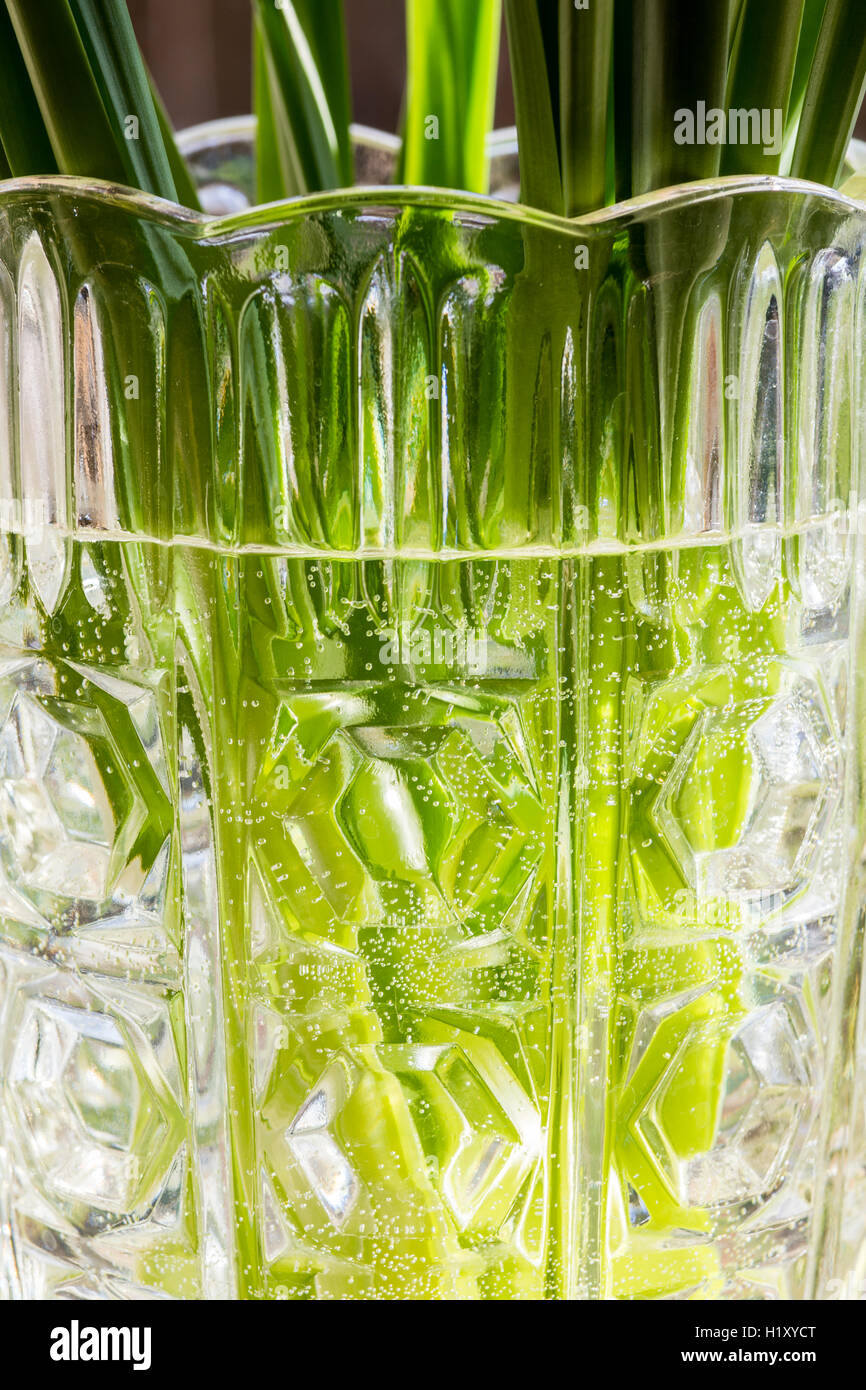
point(313, 154)
point(834, 93)
point(302, 168)
point(540, 178)
point(672, 59)
point(623, 96)
point(760, 79)
point(737, 15)
point(610, 162)
point(585, 52)
point(25, 143)
point(810, 28)
point(549, 23)
point(324, 22)
point(82, 137)
point(270, 186)
point(453, 56)
point(116, 63)
point(187, 194)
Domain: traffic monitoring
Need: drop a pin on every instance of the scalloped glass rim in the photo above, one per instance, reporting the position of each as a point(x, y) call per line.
point(399, 196)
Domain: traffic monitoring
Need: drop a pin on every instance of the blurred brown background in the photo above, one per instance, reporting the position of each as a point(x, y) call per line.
point(199, 52)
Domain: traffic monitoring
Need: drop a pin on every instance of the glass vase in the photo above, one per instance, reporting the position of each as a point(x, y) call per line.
point(431, 746)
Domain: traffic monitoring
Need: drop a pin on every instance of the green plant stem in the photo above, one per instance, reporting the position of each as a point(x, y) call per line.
point(585, 52)
point(737, 16)
point(303, 47)
point(810, 28)
point(82, 137)
point(269, 177)
point(834, 94)
point(117, 66)
point(453, 57)
point(622, 98)
point(23, 137)
point(76, 98)
point(761, 76)
point(540, 176)
point(187, 194)
point(324, 23)
point(669, 55)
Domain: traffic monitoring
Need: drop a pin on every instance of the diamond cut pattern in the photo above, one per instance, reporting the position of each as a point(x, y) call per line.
point(763, 1102)
point(76, 852)
point(432, 893)
point(99, 1122)
point(427, 812)
point(759, 843)
point(319, 1155)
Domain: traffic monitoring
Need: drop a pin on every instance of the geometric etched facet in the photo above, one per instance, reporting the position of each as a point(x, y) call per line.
point(98, 1124)
point(57, 826)
point(490, 1134)
point(86, 842)
point(310, 1138)
point(744, 802)
point(763, 1101)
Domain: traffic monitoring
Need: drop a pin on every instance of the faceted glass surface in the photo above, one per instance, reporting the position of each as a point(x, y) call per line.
point(430, 781)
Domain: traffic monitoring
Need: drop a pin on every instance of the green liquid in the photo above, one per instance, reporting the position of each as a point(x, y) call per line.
point(454, 957)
